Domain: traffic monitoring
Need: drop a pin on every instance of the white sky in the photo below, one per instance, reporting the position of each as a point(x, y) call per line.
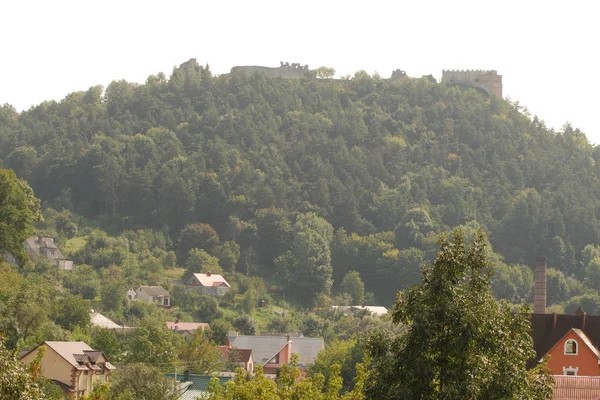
point(547, 51)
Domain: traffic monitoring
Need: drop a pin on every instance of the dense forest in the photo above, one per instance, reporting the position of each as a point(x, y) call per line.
point(306, 181)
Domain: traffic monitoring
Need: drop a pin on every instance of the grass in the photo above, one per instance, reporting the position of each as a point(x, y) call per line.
point(72, 245)
point(172, 274)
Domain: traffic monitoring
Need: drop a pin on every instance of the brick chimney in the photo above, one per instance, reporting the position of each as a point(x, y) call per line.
point(539, 296)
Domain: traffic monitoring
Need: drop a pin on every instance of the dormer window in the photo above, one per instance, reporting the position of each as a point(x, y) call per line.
point(571, 347)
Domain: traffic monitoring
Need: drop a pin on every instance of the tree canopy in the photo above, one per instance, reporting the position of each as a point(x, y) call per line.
point(459, 343)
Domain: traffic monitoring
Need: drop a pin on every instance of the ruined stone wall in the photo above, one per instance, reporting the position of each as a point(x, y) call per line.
point(285, 70)
point(489, 81)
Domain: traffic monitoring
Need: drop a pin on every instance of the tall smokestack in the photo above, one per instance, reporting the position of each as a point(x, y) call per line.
point(539, 296)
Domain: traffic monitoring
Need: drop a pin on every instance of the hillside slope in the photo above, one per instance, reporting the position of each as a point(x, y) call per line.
point(392, 163)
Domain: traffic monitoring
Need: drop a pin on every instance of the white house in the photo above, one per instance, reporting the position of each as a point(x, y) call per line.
point(208, 284)
point(151, 294)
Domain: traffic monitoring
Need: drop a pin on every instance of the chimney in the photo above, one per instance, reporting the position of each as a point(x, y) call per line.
point(554, 318)
point(539, 296)
point(582, 314)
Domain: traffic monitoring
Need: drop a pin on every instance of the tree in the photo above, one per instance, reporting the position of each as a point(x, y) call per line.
point(72, 311)
point(200, 261)
point(217, 332)
point(325, 72)
point(305, 269)
point(459, 343)
point(17, 380)
point(107, 341)
point(202, 356)
point(19, 209)
point(152, 342)
point(592, 273)
point(196, 236)
point(141, 381)
point(354, 286)
point(245, 325)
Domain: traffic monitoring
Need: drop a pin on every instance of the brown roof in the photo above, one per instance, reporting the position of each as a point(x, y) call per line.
point(548, 329)
point(78, 354)
point(241, 355)
point(576, 387)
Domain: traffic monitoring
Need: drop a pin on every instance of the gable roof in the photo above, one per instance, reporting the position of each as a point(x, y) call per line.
point(101, 321)
point(186, 326)
point(266, 347)
point(33, 245)
point(548, 329)
point(157, 291)
point(576, 387)
point(582, 336)
point(78, 354)
point(211, 280)
point(241, 355)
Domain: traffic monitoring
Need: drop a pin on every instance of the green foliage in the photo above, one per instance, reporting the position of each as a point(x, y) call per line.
point(244, 325)
point(141, 381)
point(354, 286)
point(197, 236)
point(19, 209)
point(208, 309)
point(459, 343)
point(305, 269)
point(201, 355)
point(288, 385)
point(18, 381)
point(152, 342)
point(200, 261)
point(107, 341)
point(217, 333)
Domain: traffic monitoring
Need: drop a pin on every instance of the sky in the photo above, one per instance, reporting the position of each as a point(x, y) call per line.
point(546, 51)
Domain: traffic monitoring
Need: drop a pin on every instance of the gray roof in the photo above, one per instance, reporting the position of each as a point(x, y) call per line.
point(266, 347)
point(153, 290)
point(34, 243)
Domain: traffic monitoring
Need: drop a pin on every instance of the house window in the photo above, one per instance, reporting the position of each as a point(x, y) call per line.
point(570, 371)
point(274, 360)
point(571, 347)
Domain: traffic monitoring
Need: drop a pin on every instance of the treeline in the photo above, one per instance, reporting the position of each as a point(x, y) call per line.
point(359, 174)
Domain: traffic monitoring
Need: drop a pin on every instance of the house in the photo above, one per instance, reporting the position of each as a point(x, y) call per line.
point(100, 321)
point(74, 366)
point(41, 246)
point(274, 351)
point(186, 329)
point(243, 357)
point(153, 295)
point(208, 284)
point(571, 341)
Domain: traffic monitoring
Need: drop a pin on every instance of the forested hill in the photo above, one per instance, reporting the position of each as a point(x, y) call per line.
point(392, 163)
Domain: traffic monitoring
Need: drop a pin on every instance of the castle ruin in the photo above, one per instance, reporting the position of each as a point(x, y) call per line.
point(285, 70)
point(489, 81)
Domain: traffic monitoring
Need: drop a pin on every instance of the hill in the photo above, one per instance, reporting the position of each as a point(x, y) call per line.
point(307, 179)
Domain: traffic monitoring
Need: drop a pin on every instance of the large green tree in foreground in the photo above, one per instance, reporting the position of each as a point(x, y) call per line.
point(460, 343)
point(18, 210)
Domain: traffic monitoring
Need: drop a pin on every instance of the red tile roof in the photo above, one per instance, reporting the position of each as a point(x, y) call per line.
point(576, 387)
